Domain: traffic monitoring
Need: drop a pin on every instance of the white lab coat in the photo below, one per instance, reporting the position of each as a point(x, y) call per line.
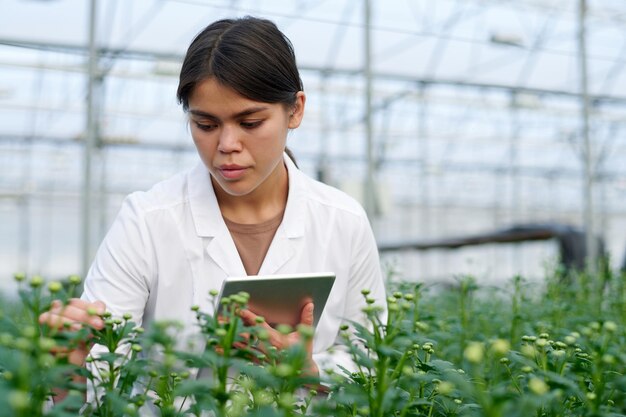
point(169, 246)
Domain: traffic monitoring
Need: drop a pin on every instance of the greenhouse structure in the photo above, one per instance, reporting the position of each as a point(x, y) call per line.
point(448, 120)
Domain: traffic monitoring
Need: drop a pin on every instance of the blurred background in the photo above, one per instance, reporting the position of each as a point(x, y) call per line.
point(483, 137)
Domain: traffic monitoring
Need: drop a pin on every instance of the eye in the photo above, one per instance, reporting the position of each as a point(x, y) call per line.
point(205, 127)
point(251, 124)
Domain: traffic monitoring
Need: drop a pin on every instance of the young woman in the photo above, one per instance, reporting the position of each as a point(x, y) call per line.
point(244, 210)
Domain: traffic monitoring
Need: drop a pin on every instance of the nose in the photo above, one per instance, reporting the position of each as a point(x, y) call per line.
point(229, 140)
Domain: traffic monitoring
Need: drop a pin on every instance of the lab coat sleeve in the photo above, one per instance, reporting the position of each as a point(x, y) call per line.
point(124, 266)
point(365, 273)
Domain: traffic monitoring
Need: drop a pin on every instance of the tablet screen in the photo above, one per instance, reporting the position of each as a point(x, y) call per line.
point(280, 298)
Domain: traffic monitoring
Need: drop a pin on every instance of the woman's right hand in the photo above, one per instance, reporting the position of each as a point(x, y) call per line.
point(74, 315)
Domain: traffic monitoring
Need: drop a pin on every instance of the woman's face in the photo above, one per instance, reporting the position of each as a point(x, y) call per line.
point(241, 141)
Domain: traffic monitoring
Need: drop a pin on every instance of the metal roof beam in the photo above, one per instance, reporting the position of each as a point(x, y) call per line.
point(170, 56)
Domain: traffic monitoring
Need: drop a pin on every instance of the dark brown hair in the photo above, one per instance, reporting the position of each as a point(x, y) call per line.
point(250, 55)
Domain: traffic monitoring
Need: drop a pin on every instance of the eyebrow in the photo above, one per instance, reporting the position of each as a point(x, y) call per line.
point(243, 113)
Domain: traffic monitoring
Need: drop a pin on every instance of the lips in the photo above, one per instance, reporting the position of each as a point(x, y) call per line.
point(231, 171)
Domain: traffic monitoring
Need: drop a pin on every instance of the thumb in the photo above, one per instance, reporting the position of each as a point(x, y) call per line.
point(100, 307)
point(306, 317)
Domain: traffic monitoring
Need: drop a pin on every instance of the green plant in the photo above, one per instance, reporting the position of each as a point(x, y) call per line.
point(465, 351)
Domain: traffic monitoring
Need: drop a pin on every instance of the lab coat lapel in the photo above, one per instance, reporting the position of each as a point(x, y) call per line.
point(224, 253)
point(279, 253)
point(291, 230)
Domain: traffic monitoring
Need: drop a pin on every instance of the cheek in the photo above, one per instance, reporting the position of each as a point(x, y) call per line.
point(204, 147)
point(200, 140)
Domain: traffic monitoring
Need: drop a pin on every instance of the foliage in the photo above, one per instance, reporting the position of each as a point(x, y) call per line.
point(466, 350)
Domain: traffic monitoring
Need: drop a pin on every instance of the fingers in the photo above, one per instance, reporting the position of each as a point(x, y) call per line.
point(75, 314)
point(306, 316)
point(248, 317)
point(276, 338)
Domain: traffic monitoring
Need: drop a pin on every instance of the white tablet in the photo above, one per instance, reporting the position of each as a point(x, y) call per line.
point(280, 298)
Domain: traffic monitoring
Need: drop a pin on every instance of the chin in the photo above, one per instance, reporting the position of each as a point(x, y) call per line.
point(235, 191)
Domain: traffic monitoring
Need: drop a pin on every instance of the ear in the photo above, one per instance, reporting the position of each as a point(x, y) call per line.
point(297, 110)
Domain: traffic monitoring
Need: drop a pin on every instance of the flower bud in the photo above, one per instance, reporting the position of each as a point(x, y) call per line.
point(284, 329)
point(529, 351)
point(608, 359)
point(45, 360)
point(18, 400)
point(538, 386)
point(36, 281)
point(286, 400)
point(54, 287)
point(500, 347)
point(46, 343)
point(74, 279)
point(560, 345)
point(22, 344)
point(570, 340)
point(445, 388)
point(29, 331)
point(474, 352)
point(283, 370)
point(305, 330)
point(239, 300)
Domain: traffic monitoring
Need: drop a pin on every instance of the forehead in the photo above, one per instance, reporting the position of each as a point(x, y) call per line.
point(215, 100)
point(211, 91)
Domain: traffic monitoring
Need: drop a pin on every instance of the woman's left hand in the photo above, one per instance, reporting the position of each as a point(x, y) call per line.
point(282, 341)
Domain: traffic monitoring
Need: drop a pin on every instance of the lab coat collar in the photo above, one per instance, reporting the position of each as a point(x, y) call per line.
point(203, 204)
point(209, 222)
point(208, 218)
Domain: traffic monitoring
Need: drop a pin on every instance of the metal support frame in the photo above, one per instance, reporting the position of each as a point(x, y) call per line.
point(588, 176)
point(369, 192)
point(90, 141)
point(591, 163)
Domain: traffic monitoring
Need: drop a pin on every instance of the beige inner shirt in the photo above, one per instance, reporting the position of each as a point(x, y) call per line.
point(253, 241)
